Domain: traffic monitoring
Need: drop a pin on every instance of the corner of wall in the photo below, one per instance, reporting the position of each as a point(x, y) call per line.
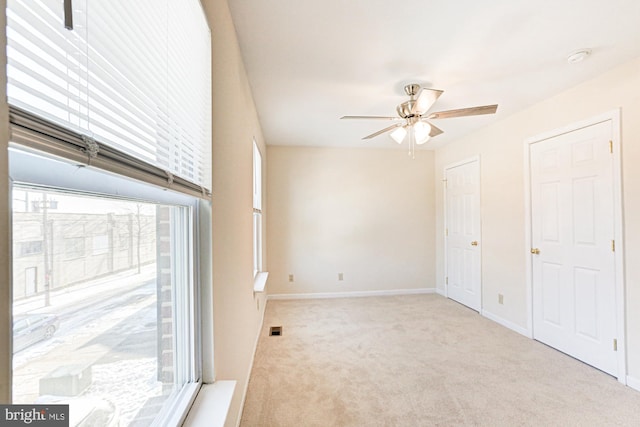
point(237, 311)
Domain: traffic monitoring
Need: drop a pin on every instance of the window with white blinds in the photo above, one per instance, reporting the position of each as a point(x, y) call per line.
point(131, 76)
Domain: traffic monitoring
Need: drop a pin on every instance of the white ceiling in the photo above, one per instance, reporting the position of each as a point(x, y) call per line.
point(311, 62)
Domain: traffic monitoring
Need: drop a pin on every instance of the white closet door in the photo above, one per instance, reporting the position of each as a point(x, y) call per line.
point(573, 264)
point(463, 234)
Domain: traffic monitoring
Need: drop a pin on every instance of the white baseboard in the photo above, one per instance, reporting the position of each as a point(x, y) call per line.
point(352, 294)
point(634, 383)
point(507, 324)
point(441, 292)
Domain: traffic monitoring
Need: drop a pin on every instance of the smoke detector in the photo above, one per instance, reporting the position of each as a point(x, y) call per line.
point(578, 55)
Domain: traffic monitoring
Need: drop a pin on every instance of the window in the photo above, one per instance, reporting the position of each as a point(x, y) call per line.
point(257, 209)
point(29, 248)
point(74, 247)
point(111, 166)
point(105, 330)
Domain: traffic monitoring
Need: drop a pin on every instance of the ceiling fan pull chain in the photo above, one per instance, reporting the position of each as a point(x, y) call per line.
point(412, 143)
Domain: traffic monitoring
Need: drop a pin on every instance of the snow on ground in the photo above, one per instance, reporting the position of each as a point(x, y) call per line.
point(126, 383)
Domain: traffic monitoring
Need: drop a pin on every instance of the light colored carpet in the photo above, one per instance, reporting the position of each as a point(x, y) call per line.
point(419, 361)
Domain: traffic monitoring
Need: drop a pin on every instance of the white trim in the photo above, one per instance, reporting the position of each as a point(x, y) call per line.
point(614, 117)
point(211, 406)
point(253, 356)
point(632, 382)
point(444, 232)
point(442, 292)
point(618, 235)
point(506, 323)
point(471, 159)
point(205, 293)
point(527, 236)
point(354, 294)
point(177, 412)
point(609, 115)
point(260, 281)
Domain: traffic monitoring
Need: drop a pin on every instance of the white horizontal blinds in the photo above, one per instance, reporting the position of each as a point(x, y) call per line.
point(190, 80)
point(128, 76)
point(47, 64)
point(134, 75)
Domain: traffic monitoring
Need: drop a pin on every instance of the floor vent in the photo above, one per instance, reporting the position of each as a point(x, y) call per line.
point(275, 331)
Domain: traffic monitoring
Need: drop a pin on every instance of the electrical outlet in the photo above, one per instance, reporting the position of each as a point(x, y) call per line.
point(340, 276)
point(500, 299)
point(291, 277)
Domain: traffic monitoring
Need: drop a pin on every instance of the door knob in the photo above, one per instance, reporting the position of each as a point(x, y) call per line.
point(474, 243)
point(535, 251)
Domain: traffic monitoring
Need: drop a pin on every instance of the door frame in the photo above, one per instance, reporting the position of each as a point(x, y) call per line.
point(620, 315)
point(446, 225)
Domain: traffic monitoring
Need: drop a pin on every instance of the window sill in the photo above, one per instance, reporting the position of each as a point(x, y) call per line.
point(211, 406)
point(260, 282)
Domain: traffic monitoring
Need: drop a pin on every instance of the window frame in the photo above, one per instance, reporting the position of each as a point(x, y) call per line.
point(60, 173)
point(257, 210)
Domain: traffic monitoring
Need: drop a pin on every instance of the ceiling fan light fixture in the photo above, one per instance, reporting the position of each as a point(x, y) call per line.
point(398, 134)
point(414, 114)
point(421, 141)
point(421, 131)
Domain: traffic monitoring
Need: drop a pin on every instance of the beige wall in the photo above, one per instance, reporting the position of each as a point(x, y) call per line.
point(503, 213)
point(366, 213)
point(237, 313)
point(5, 241)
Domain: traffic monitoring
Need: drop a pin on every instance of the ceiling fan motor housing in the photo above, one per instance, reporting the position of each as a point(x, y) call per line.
point(414, 112)
point(405, 109)
point(412, 89)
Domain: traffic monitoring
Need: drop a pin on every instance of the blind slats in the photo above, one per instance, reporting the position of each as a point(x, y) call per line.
point(33, 132)
point(133, 75)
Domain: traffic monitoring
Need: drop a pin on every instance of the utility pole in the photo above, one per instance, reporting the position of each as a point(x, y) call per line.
point(46, 205)
point(45, 252)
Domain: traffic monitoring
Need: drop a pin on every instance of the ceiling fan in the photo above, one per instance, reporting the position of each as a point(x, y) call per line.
point(414, 114)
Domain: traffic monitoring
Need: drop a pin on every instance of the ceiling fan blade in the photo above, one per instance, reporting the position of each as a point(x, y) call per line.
point(380, 132)
point(472, 111)
point(435, 131)
point(426, 98)
point(370, 117)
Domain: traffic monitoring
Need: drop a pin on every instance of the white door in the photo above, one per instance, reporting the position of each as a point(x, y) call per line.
point(31, 280)
point(462, 234)
point(572, 225)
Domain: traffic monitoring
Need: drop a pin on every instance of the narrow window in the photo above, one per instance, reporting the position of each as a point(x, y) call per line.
point(257, 209)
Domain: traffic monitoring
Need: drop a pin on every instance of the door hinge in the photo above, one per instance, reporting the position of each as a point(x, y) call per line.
point(615, 344)
point(613, 246)
point(611, 146)
point(446, 280)
point(446, 231)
